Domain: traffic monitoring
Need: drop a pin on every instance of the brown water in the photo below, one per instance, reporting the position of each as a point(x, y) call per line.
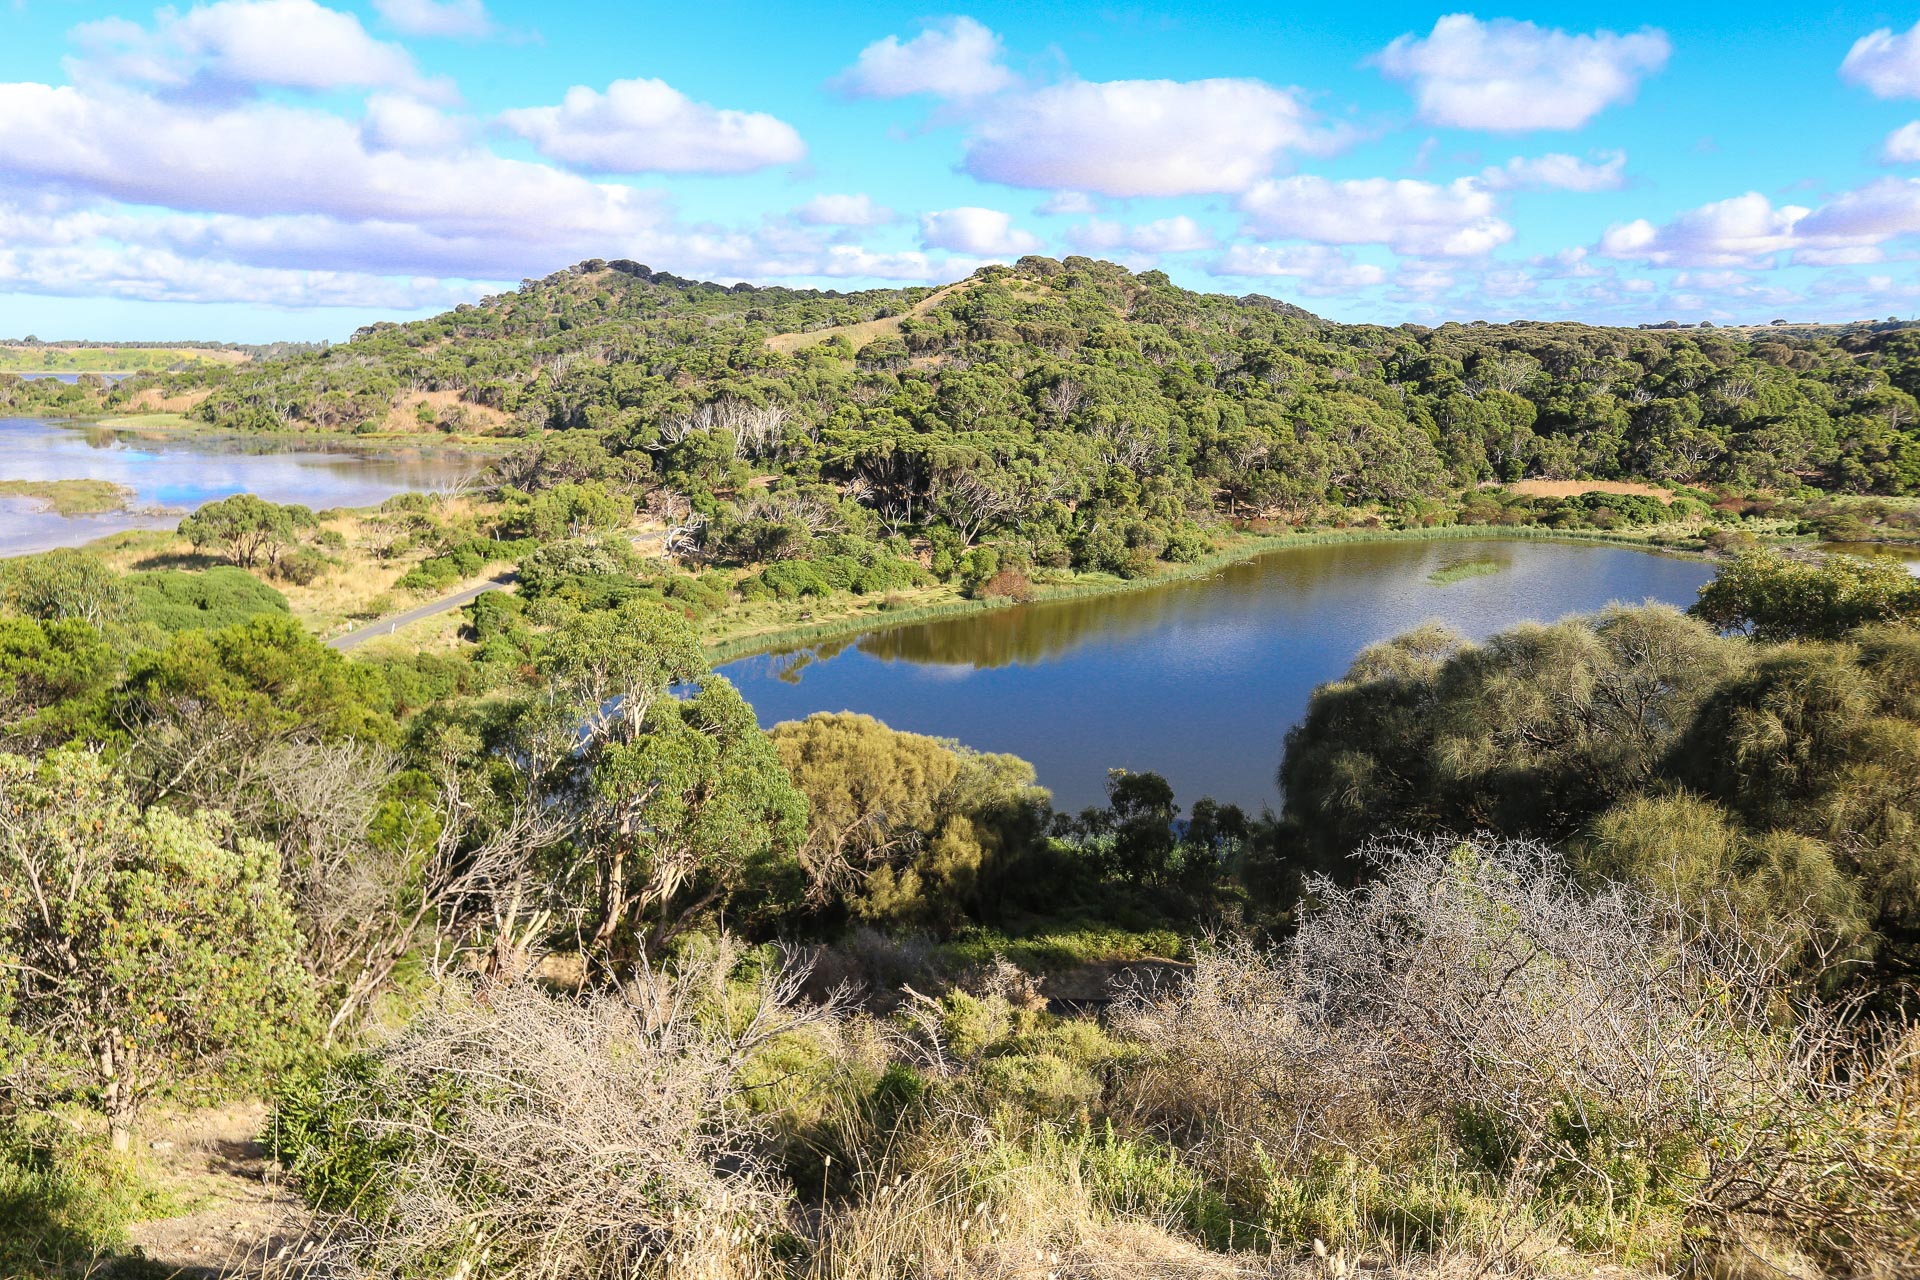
point(172, 473)
point(1198, 680)
point(1907, 552)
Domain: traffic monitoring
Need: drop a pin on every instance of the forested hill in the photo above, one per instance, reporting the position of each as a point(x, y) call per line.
point(1069, 368)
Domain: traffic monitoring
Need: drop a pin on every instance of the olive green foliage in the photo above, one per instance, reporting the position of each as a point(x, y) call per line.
point(247, 530)
point(147, 954)
point(65, 1203)
point(1778, 780)
point(64, 583)
point(909, 829)
point(206, 601)
point(677, 803)
point(1074, 413)
point(1775, 598)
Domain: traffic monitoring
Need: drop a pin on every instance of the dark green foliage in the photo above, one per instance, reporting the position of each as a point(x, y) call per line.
point(317, 1131)
point(1777, 784)
point(1089, 415)
point(174, 600)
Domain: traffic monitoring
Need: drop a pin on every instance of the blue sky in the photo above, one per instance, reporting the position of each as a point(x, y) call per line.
point(258, 169)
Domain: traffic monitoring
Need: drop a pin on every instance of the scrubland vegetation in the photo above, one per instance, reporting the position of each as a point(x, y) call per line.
point(1588, 946)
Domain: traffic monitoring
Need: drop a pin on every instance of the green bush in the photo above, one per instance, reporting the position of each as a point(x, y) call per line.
point(176, 600)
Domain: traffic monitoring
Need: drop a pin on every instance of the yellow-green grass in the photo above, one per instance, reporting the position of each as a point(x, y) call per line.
point(107, 359)
point(71, 497)
point(1447, 575)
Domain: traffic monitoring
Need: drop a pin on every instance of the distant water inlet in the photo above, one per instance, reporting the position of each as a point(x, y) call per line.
point(1197, 680)
point(170, 474)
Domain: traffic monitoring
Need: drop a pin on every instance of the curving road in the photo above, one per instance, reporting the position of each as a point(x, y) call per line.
point(393, 622)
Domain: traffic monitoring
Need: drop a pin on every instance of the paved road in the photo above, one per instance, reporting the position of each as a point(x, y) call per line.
point(388, 625)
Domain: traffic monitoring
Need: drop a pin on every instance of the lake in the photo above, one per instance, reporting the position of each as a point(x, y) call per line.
point(1197, 680)
point(71, 379)
point(1907, 552)
point(172, 473)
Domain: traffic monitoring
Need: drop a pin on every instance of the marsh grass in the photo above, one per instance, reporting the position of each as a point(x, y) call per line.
point(1462, 570)
point(71, 497)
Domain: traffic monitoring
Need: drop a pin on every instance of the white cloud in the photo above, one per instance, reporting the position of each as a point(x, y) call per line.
point(294, 44)
point(396, 122)
point(647, 126)
point(1141, 137)
point(1885, 63)
point(1725, 233)
point(146, 274)
point(986, 233)
point(1068, 202)
point(1748, 231)
point(259, 158)
point(844, 211)
point(1318, 268)
point(1179, 234)
point(1409, 216)
point(1902, 145)
point(955, 58)
point(466, 18)
point(1606, 172)
point(1505, 75)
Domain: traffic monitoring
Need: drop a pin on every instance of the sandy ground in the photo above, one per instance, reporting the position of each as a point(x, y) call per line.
point(242, 1212)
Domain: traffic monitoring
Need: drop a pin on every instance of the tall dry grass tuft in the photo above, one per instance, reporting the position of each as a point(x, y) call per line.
point(1606, 1065)
point(521, 1134)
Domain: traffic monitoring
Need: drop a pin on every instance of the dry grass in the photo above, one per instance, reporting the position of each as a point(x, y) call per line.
point(864, 332)
point(151, 400)
point(587, 1138)
point(1574, 488)
point(404, 417)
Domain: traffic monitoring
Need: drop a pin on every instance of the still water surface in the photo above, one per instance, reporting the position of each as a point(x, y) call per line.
point(1907, 553)
point(1197, 680)
point(172, 474)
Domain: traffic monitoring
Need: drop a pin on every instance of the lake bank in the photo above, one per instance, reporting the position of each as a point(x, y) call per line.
point(1200, 679)
point(859, 616)
point(158, 474)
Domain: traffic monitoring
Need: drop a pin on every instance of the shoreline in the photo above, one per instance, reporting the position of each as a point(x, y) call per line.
point(784, 639)
point(164, 423)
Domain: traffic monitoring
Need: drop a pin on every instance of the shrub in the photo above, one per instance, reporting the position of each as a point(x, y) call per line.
point(174, 600)
point(1606, 1056)
point(509, 1131)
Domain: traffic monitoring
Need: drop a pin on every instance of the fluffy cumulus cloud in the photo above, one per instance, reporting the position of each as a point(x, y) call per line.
point(1507, 76)
point(1315, 268)
point(1725, 233)
point(844, 211)
point(984, 233)
point(648, 126)
point(397, 122)
point(459, 18)
point(954, 58)
point(1902, 145)
point(1141, 137)
point(293, 44)
point(194, 159)
point(1750, 231)
point(1885, 63)
point(1558, 172)
point(1458, 219)
point(1179, 234)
